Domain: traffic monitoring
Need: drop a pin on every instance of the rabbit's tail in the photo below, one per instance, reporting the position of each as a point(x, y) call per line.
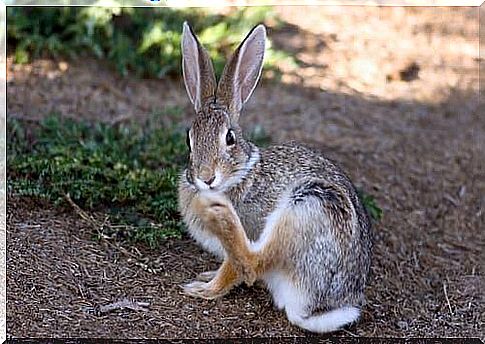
point(325, 322)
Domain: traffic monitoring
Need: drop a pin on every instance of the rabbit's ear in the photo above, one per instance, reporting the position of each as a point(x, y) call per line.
point(242, 72)
point(199, 77)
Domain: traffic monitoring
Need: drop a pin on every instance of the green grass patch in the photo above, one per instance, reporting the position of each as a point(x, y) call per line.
point(129, 171)
point(144, 41)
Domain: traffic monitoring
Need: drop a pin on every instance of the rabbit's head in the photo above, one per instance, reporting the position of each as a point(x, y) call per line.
point(219, 155)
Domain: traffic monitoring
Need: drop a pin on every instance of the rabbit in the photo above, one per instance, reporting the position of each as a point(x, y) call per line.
point(284, 215)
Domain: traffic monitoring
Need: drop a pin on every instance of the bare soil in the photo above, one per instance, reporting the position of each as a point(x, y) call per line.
point(389, 93)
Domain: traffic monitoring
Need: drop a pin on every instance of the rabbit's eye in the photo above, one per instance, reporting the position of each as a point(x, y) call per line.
point(230, 137)
point(187, 139)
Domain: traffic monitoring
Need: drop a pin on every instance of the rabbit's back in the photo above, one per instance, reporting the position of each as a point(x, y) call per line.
point(280, 171)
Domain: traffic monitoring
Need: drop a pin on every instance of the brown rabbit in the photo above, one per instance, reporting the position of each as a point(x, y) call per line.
point(285, 215)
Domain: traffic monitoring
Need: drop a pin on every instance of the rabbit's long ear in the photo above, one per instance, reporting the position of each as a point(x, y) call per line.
point(199, 77)
point(242, 72)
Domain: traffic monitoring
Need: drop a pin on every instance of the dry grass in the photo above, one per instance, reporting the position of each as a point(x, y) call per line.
point(416, 146)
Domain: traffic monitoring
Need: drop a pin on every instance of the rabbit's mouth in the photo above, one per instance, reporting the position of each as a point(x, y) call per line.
point(213, 183)
point(219, 180)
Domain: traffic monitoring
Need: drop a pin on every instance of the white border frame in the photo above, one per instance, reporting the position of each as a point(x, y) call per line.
point(172, 3)
point(3, 171)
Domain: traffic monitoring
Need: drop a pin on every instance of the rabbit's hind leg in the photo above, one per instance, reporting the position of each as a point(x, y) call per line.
point(276, 265)
point(224, 280)
point(296, 245)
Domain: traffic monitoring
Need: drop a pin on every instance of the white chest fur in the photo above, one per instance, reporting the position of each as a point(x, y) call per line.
point(208, 241)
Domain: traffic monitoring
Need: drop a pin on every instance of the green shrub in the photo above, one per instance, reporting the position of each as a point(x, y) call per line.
point(145, 41)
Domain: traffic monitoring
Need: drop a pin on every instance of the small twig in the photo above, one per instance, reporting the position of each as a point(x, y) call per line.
point(348, 332)
point(98, 226)
point(24, 226)
point(128, 253)
point(81, 212)
point(451, 199)
point(125, 303)
point(447, 299)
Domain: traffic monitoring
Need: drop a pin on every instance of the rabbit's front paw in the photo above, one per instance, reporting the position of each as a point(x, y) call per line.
point(202, 290)
point(209, 199)
point(216, 212)
point(220, 214)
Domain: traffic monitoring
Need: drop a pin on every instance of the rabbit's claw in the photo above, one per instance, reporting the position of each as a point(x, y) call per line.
point(203, 290)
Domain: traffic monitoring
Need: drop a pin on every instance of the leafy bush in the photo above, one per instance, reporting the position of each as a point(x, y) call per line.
point(145, 41)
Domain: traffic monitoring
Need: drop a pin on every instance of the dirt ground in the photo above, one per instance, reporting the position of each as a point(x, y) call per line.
point(389, 93)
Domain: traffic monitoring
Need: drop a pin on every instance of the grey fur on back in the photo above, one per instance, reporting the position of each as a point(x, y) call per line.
point(279, 168)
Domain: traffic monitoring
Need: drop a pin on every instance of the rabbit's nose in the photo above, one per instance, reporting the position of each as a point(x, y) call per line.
point(210, 181)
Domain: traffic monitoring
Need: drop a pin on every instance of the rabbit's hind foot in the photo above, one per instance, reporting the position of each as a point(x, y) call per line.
point(224, 280)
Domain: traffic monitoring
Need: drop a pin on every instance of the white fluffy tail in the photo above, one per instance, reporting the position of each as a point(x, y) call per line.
point(326, 322)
